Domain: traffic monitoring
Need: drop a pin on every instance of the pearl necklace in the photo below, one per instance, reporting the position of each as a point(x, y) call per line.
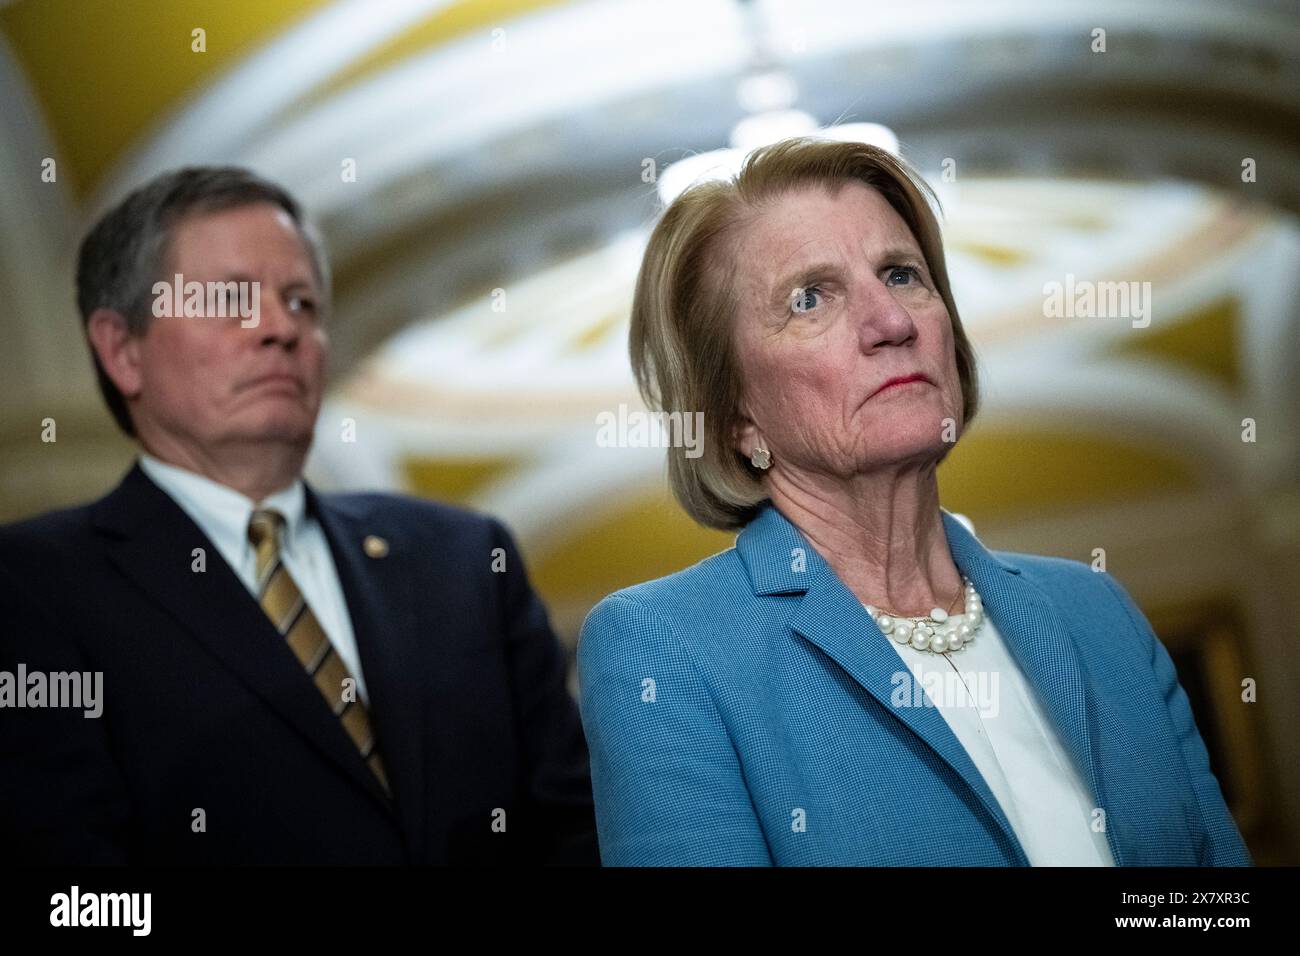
point(938, 631)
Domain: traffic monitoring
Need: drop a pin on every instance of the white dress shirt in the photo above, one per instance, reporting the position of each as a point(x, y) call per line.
point(992, 710)
point(223, 515)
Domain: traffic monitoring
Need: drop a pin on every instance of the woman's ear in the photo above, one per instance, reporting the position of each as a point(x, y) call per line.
point(117, 349)
point(746, 436)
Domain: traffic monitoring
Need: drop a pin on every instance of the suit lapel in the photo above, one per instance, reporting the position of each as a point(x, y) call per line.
point(381, 607)
point(833, 619)
point(151, 540)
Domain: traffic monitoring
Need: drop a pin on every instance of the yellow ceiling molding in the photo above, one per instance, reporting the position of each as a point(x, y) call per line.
point(448, 23)
point(648, 537)
point(453, 480)
point(599, 331)
point(105, 73)
point(1205, 341)
point(993, 253)
point(1004, 473)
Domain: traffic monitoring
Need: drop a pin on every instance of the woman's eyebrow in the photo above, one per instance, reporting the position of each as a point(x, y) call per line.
point(796, 279)
point(901, 254)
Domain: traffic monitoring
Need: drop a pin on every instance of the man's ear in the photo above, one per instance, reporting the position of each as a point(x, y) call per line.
point(117, 349)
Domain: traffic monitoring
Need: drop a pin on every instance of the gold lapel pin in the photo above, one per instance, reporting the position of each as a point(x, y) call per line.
point(375, 546)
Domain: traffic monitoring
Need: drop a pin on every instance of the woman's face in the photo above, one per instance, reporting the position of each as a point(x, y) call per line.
point(835, 299)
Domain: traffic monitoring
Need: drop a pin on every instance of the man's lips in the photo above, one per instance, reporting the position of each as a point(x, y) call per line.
point(277, 379)
point(901, 380)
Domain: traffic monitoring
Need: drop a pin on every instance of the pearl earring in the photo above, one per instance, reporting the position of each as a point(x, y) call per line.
point(760, 458)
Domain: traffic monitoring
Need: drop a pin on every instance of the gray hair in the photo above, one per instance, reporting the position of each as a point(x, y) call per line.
point(124, 254)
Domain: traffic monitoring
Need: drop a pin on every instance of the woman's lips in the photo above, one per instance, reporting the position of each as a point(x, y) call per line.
point(909, 380)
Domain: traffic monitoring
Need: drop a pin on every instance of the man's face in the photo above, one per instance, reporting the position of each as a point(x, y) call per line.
point(210, 381)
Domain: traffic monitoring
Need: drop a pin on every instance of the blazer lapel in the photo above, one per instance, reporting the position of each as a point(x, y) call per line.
point(781, 561)
point(832, 618)
point(1041, 644)
point(382, 609)
point(151, 540)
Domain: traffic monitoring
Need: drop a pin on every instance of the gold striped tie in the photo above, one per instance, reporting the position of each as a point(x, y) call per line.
point(284, 605)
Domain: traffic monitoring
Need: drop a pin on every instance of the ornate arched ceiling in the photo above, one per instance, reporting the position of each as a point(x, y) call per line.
point(513, 132)
point(501, 145)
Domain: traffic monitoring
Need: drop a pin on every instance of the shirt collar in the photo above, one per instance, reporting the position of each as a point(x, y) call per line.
point(220, 510)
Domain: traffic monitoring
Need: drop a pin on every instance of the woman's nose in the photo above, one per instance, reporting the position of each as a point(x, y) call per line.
point(882, 319)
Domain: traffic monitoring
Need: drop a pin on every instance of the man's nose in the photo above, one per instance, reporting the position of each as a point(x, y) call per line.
point(278, 326)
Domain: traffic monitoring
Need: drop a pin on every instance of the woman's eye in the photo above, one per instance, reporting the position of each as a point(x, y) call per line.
point(912, 272)
point(300, 304)
point(805, 300)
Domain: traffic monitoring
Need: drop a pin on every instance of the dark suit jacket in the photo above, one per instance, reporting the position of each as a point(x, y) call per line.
point(206, 708)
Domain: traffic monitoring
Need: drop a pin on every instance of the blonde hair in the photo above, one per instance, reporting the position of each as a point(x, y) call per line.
point(684, 306)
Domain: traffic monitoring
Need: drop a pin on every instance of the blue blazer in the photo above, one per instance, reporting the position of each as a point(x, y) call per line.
point(721, 701)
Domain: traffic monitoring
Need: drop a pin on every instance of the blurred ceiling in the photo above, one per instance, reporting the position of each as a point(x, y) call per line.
point(496, 404)
point(502, 146)
point(492, 137)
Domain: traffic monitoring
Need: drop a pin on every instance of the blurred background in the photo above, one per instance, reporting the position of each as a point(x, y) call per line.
point(485, 173)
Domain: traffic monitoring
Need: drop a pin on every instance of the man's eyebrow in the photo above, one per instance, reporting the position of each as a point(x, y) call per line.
point(239, 275)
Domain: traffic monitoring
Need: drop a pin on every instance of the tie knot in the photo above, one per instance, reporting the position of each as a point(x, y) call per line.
point(265, 525)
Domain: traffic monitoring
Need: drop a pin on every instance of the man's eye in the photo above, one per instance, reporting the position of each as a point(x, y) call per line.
point(299, 304)
point(805, 300)
point(911, 272)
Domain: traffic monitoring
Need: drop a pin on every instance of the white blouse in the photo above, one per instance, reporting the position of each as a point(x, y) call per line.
point(991, 708)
